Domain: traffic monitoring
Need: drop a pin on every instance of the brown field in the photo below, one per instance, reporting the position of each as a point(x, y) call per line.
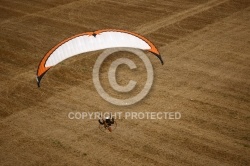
point(205, 45)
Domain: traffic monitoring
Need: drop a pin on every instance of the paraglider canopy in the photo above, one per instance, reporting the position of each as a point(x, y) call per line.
point(93, 41)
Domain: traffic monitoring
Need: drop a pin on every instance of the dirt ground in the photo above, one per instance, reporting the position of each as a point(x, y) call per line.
point(205, 45)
